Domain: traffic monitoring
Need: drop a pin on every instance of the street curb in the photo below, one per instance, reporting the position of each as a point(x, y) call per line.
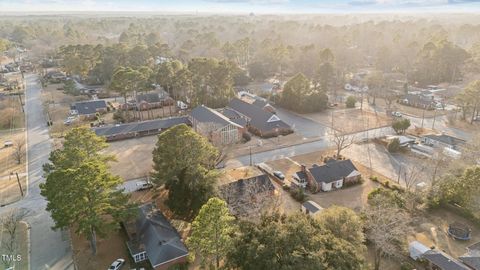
point(28, 243)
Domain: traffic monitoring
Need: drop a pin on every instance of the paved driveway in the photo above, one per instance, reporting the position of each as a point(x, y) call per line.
point(306, 127)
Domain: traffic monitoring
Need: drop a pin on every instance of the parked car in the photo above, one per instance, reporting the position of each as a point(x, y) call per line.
point(279, 175)
point(144, 185)
point(69, 120)
point(117, 264)
point(397, 114)
point(181, 105)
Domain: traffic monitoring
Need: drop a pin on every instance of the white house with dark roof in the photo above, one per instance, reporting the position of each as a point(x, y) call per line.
point(218, 128)
point(472, 257)
point(88, 109)
point(153, 238)
point(332, 175)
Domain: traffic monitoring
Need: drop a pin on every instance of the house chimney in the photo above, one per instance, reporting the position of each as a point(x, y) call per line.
point(304, 168)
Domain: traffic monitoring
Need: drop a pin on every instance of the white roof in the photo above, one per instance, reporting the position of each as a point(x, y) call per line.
point(417, 249)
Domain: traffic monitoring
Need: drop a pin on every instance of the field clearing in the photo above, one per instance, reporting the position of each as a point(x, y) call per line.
point(134, 157)
point(350, 120)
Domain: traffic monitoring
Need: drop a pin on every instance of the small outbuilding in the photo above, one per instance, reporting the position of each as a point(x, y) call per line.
point(311, 208)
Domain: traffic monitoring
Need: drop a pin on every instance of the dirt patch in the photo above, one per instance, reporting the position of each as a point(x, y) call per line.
point(108, 250)
point(235, 174)
point(134, 157)
point(21, 248)
point(350, 120)
point(431, 230)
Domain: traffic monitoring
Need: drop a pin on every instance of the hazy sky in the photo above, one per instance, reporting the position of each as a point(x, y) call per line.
point(242, 6)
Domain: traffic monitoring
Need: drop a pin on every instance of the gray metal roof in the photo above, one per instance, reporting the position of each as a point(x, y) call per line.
point(150, 125)
point(258, 117)
point(89, 107)
point(443, 261)
point(205, 114)
point(332, 171)
point(157, 237)
point(447, 139)
point(260, 183)
point(312, 208)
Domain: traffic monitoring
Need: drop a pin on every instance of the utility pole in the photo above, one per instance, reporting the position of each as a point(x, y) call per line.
point(423, 116)
point(19, 184)
point(250, 148)
point(399, 173)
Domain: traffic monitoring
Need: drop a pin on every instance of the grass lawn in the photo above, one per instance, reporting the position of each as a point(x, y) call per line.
point(9, 189)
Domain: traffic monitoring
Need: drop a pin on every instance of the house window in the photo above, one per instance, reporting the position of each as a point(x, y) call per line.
point(140, 257)
point(338, 184)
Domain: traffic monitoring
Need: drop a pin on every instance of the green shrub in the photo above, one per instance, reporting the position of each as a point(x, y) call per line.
point(350, 102)
point(394, 145)
point(298, 194)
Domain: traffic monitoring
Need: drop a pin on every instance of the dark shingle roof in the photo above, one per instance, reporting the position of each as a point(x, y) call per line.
point(472, 257)
point(150, 125)
point(157, 237)
point(447, 139)
point(444, 261)
point(312, 208)
point(204, 114)
point(148, 97)
point(260, 103)
point(259, 118)
point(89, 107)
point(332, 171)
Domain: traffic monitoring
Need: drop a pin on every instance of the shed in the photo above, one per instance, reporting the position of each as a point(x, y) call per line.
point(417, 249)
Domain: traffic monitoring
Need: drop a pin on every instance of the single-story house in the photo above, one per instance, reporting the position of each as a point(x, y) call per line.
point(472, 257)
point(264, 105)
point(311, 208)
point(404, 140)
point(151, 237)
point(244, 194)
point(332, 175)
point(215, 126)
point(234, 116)
point(139, 129)
point(260, 122)
point(419, 101)
point(88, 109)
point(439, 260)
point(443, 140)
point(152, 100)
point(436, 259)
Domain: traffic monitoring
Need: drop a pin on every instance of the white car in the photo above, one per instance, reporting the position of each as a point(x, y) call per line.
point(396, 114)
point(143, 185)
point(117, 264)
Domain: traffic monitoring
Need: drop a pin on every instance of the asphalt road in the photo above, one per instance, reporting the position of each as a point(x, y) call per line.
point(305, 148)
point(48, 249)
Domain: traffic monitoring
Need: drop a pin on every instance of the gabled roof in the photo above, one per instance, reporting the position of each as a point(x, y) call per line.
point(472, 257)
point(148, 97)
point(89, 107)
point(443, 261)
point(332, 171)
point(204, 114)
point(156, 236)
point(259, 118)
point(150, 125)
point(260, 103)
point(447, 139)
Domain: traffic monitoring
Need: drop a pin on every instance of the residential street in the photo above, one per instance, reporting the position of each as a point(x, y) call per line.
point(300, 149)
point(48, 249)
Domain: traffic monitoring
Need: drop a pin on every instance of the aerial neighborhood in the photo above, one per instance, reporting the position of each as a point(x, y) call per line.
point(257, 140)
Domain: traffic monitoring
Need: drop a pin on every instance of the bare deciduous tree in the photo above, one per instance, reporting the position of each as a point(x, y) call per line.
point(9, 223)
point(386, 227)
point(250, 198)
point(342, 140)
point(19, 150)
